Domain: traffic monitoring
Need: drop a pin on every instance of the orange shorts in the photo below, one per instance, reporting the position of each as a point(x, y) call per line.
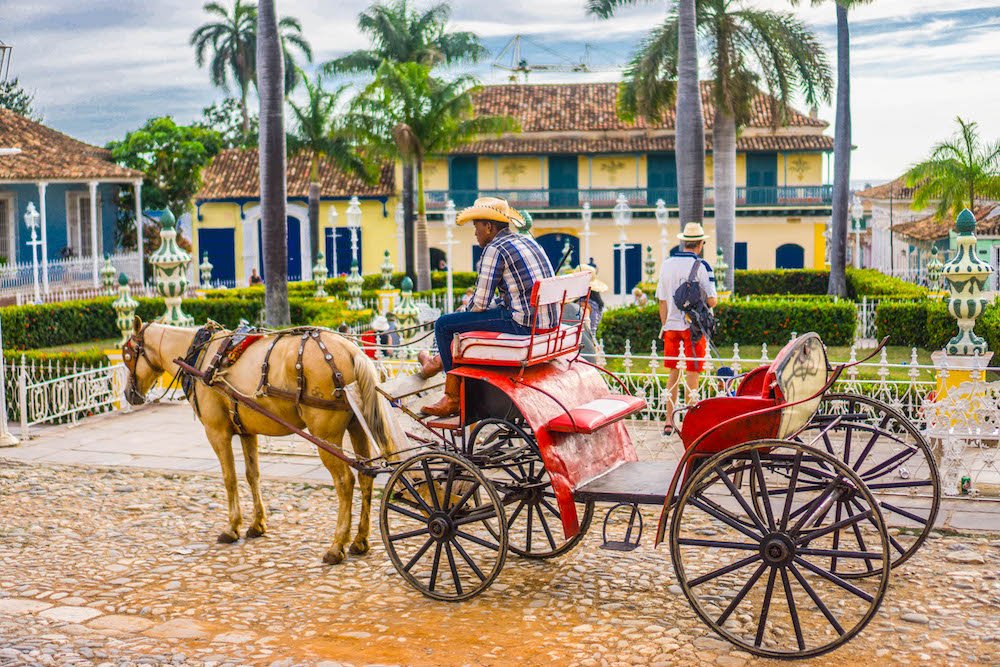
point(694, 354)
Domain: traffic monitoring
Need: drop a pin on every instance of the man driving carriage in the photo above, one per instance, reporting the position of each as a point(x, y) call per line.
point(510, 266)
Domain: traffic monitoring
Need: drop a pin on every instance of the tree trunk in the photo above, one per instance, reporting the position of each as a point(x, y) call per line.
point(270, 89)
point(410, 267)
point(841, 160)
point(724, 171)
point(315, 243)
point(423, 256)
point(690, 153)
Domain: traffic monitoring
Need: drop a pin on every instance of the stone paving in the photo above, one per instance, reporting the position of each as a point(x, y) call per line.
point(111, 566)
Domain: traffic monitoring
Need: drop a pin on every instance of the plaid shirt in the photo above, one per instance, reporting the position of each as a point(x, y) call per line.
point(512, 264)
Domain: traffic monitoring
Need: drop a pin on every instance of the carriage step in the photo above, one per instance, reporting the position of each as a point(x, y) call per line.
point(640, 482)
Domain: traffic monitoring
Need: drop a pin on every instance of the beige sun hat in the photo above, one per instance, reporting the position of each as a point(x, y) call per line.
point(693, 231)
point(596, 284)
point(491, 208)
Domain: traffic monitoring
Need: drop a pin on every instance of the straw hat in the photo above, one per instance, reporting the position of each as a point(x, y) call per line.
point(380, 323)
point(596, 284)
point(491, 208)
point(693, 231)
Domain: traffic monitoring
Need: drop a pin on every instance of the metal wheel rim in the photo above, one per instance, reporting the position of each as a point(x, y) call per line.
point(449, 555)
point(756, 648)
point(520, 524)
point(901, 552)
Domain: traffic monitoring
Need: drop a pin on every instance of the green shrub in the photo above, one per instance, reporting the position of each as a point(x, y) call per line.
point(781, 281)
point(904, 322)
point(739, 321)
point(89, 358)
point(872, 283)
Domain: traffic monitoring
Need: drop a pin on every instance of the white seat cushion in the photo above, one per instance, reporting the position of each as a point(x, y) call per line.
point(487, 346)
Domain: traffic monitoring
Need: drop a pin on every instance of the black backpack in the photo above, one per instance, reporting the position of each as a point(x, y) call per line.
point(690, 299)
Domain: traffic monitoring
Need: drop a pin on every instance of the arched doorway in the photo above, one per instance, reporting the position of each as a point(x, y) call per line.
point(553, 245)
point(790, 256)
point(294, 240)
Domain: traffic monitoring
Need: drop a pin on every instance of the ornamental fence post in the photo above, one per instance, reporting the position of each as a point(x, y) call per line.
point(22, 397)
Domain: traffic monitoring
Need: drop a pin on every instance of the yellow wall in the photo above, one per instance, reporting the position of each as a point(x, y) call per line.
point(613, 171)
point(741, 170)
point(378, 231)
point(518, 173)
point(800, 169)
point(435, 174)
point(486, 173)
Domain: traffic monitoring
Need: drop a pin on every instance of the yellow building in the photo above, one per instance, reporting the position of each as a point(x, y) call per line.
point(227, 218)
point(573, 150)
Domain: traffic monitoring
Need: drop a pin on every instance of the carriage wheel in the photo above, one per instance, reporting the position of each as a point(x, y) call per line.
point(895, 462)
point(769, 589)
point(444, 526)
point(509, 456)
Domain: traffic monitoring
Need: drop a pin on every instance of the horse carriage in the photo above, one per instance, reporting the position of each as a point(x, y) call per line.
point(784, 515)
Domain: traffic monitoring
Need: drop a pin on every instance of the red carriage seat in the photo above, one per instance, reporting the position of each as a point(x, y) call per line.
point(597, 414)
point(798, 372)
point(489, 348)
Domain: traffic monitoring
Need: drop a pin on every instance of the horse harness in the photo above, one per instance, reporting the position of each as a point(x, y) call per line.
point(232, 347)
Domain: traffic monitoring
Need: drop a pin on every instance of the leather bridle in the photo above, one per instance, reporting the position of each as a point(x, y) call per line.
point(133, 350)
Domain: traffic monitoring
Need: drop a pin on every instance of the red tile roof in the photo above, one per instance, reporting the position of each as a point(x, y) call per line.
point(236, 173)
point(564, 107)
point(636, 143)
point(47, 154)
point(897, 188)
point(930, 228)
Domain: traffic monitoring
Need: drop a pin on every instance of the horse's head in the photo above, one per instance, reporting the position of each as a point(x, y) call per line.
point(142, 372)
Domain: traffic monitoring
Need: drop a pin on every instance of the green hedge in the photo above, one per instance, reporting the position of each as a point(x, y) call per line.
point(745, 322)
point(928, 324)
point(88, 358)
point(872, 283)
point(781, 281)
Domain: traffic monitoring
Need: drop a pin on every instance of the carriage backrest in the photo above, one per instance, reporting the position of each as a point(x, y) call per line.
point(560, 289)
point(799, 372)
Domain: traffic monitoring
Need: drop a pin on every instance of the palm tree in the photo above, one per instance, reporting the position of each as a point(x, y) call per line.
point(401, 34)
point(270, 78)
point(409, 114)
point(690, 124)
point(841, 150)
point(744, 44)
point(959, 173)
point(228, 44)
point(321, 130)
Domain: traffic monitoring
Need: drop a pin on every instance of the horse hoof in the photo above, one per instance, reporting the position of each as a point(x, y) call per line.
point(254, 532)
point(359, 547)
point(228, 537)
point(333, 557)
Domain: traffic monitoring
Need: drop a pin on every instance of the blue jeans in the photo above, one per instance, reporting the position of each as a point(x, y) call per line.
point(494, 319)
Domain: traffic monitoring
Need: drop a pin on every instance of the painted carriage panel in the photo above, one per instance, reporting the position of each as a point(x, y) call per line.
point(543, 393)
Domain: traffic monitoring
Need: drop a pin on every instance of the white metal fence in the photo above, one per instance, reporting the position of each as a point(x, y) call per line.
point(64, 273)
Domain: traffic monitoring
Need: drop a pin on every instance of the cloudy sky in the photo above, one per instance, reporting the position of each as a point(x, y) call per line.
point(100, 68)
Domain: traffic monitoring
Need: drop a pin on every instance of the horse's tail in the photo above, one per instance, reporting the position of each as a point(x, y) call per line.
point(372, 405)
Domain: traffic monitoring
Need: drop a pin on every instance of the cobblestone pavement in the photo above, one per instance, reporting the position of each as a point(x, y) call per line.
point(109, 567)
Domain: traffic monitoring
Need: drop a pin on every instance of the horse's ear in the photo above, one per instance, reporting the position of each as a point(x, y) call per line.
point(137, 324)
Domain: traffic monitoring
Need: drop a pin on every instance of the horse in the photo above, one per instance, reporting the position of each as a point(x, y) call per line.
point(296, 376)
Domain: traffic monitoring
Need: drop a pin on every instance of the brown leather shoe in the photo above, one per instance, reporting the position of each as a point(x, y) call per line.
point(429, 365)
point(450, 404)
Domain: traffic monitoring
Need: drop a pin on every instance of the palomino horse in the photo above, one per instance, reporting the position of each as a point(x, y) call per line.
point(152, 348)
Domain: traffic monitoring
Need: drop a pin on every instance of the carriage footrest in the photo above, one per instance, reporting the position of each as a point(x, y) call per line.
point(596, 414)
point(445, 423)
point(639, 482)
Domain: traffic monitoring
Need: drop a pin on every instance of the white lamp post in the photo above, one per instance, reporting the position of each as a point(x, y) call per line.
point(586, 215)
point(354, 280)
point(662, 217)
point(31, 217)
point(622, 215)
point(857, 211)
point(332, 217)
point(400, 234)
point(449, 216)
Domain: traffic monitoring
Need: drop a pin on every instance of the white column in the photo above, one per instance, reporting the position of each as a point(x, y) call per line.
point(45, 241)
point(249, 247)
point(138, 229)
point(93, 233)
point(305, 249)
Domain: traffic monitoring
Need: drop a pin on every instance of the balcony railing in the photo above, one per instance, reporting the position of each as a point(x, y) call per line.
point(799, 195)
